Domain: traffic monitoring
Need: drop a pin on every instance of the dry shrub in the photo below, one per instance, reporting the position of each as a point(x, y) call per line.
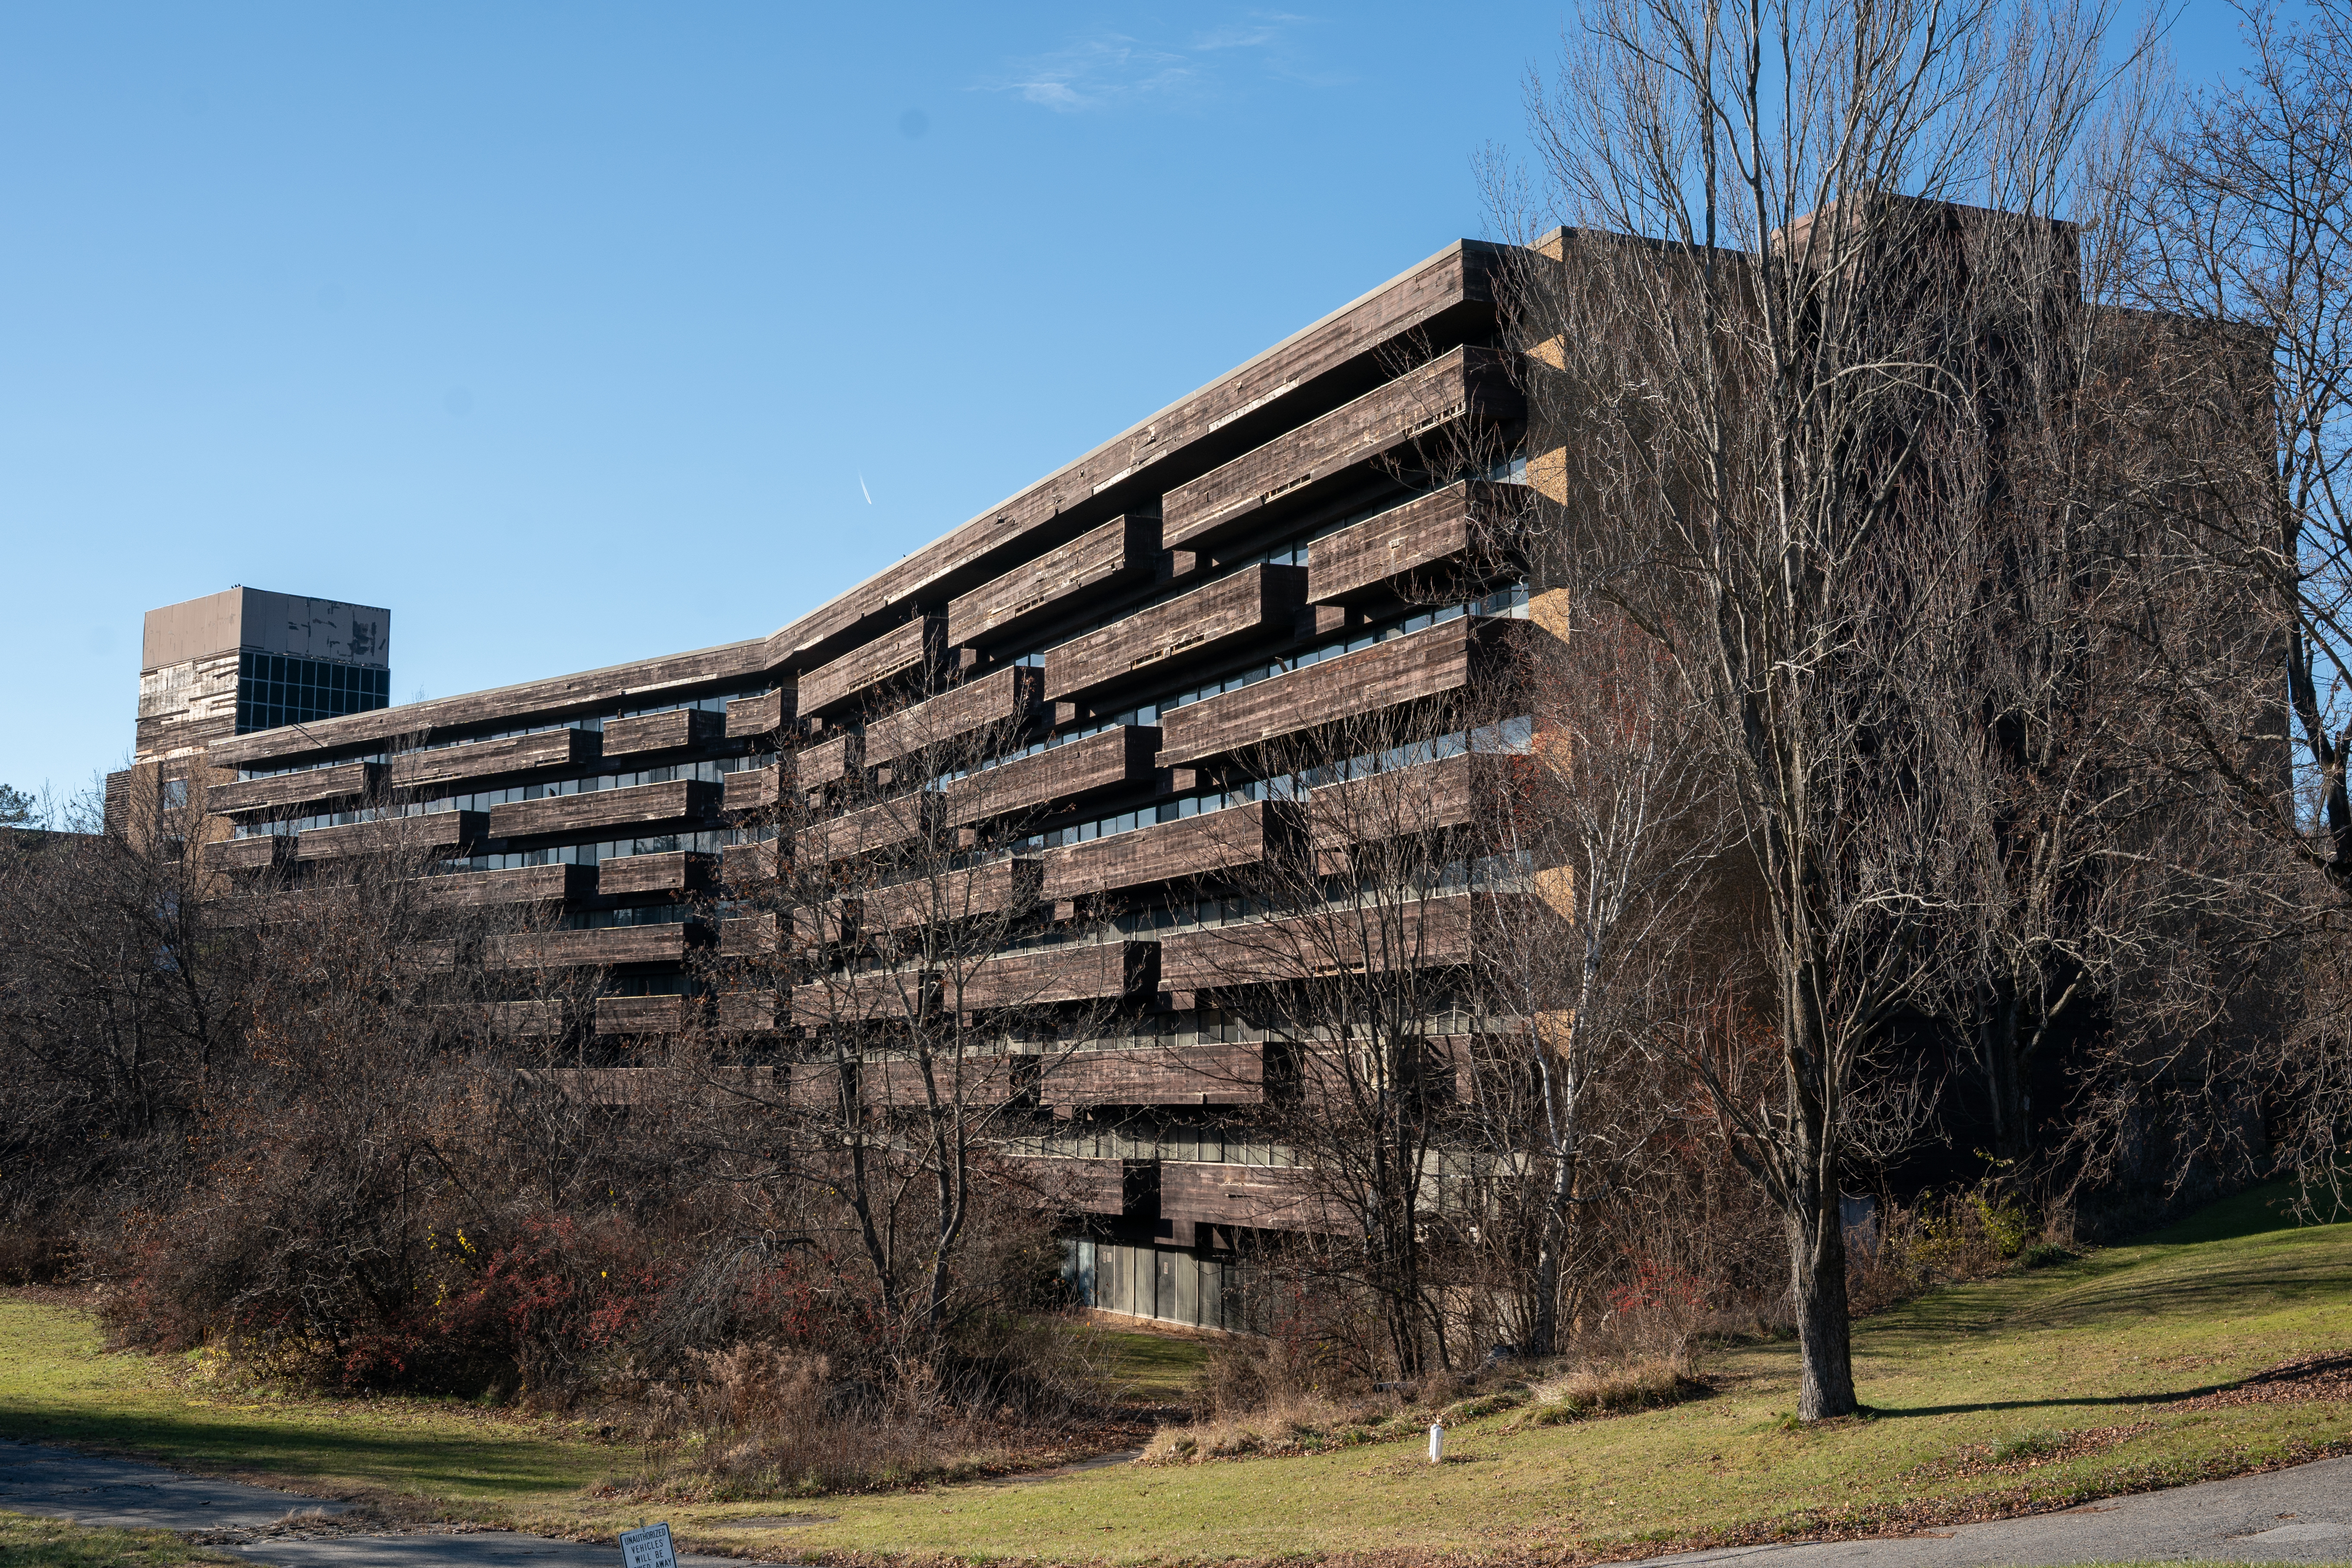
point(760, 1385)
point(761, 1421)
point(1246, 1374)
point(1647, 1382)
point(1640, 1356)
point(1878, 1278)
point(1268, 1396)
point(1655, 1315)
point(1289, 1423)
point(1043, 1371)
point(769, 1420)
point(35, 1251)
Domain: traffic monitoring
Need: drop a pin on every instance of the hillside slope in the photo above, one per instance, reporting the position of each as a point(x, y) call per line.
point(2116, 1373)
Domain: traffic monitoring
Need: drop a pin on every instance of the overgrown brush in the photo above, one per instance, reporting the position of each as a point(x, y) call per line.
point(760, 1421)
point(1973, 1233)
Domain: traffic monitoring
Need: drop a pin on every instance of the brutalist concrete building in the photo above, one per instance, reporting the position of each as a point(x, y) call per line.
point(1272, 552)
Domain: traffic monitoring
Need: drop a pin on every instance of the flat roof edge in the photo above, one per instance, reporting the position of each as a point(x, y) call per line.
point(772, 649)
point(356, 729)
point(1444, 253)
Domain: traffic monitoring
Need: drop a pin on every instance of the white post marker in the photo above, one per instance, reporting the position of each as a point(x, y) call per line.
point(648, 1548)
point(1436, 1447)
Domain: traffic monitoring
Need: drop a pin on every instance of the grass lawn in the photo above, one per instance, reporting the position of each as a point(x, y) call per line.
point(27, 1542)
point(2040, 1389)
point(1152, 1369)
point(57, 1382)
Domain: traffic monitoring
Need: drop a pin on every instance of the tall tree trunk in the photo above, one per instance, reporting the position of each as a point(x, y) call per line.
point(1401, 1299)
point(2004, 1066)
point(1810, 1199)
point(1817, 1251)
point(1543, 1326)
point(1551, 1243)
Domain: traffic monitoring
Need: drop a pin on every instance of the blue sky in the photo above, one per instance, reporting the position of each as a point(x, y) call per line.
point(578, 333)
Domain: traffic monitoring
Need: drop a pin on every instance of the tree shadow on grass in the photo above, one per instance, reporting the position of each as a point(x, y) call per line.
point(2268, 1207)
point(2310, 1369)
point(2130, 1298)
point(445, 1463)
point(2128, 1284)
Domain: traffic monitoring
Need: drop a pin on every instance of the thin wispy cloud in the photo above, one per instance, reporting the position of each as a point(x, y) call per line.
point(1095, 71)
point(1111, 69)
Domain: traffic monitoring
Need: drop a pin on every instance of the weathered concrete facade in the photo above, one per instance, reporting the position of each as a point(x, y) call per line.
point(1230, 570)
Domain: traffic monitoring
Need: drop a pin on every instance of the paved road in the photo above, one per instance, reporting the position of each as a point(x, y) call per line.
point(2299, 1515)
point(480, 1549)
point(90, 1489)
point(94, 1491)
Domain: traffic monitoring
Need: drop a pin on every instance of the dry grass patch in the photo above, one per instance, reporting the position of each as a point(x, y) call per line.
point(839, 1455)
point(1291, 1424)
point(29, 1540)
point(1257, 1401)
point(1267, 1398)
point(1650, 1382)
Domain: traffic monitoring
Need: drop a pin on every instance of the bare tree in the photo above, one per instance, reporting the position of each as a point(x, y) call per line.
point(1344, 940)
point(1607, 816)
point(2046, 703)
point(891, 925)
point(1741, 357)
point(2245, 248)
point(2247, 240)
point(118, 1003)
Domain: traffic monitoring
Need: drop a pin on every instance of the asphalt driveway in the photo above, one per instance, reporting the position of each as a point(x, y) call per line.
point(93, 1489)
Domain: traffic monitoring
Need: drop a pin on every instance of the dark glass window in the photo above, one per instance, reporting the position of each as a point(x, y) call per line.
point(274, 689)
